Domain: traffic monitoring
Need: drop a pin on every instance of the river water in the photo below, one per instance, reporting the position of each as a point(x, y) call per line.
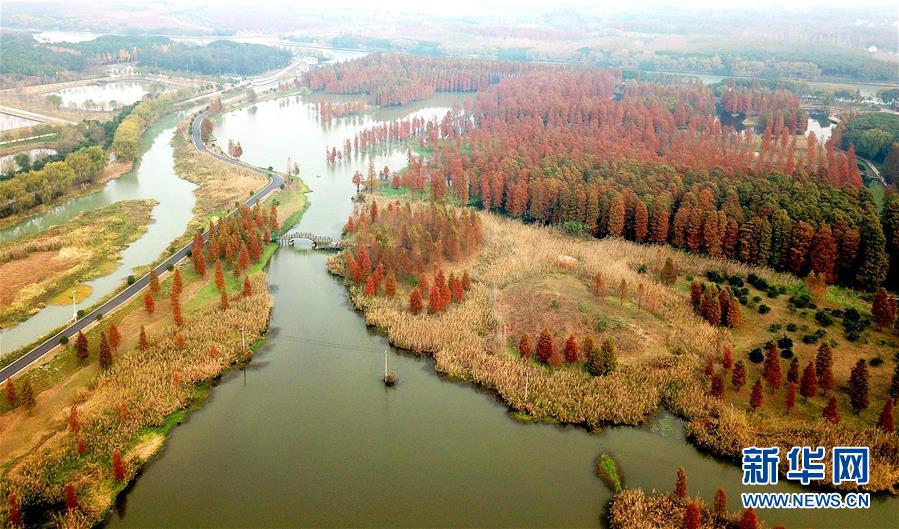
point(309, 435)
point(153, 177)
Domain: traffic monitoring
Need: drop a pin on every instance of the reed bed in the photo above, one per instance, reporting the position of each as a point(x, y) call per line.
point(635, 509)
point(130, 407)
point(468, 343)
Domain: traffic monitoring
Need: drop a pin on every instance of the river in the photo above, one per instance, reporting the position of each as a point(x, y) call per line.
point(153, 177)
point(309, 436)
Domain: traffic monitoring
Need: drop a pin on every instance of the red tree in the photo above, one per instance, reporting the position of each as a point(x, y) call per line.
point(749, 520)
point(790, 398)
point(219, 276)
point(415, 304)
point(371, 286)
point(738, 379)
point(118, 468)
point(390, 284)
point(831, 411)
point(773, 374)
point(808, 387)
point(884, 309)
point(680, 486)
point(571, 350)
point(115, 337)
point(81, 346)
point(720, 504)
point(692, 516)
point(142, 343)
point(14, 515)
point(71, 497)
point(149, 303)
point(11, 393)
point(74, 421)
point(858, 386)
point(247, 290)
point(756, 399)
point(885, 421)
point(524, 346)
point(545, 346)
point(718, 386)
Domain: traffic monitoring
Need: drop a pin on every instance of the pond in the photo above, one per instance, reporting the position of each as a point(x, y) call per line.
point(10, 122)
point(8, 161)
point(106, 96)
point(309, 436)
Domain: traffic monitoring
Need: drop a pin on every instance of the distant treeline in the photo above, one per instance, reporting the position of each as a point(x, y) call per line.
point(23, 56)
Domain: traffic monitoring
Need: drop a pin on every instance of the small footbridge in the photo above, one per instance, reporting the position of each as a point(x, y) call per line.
point(319, 242)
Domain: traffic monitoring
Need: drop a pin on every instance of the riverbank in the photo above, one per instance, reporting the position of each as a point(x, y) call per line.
point(39, 267)
point(527, 280)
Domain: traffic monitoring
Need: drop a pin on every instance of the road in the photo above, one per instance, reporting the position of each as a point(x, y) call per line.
point(18, 365)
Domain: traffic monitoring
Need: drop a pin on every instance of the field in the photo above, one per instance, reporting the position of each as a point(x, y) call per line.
point(40, 267)
point(528, 278)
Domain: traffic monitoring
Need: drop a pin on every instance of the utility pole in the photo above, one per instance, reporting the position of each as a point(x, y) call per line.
point(74, 310)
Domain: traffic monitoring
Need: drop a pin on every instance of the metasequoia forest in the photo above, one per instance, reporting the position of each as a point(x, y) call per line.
point(650, 163)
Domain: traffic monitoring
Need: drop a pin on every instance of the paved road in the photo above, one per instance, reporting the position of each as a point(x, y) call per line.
point(275, 181)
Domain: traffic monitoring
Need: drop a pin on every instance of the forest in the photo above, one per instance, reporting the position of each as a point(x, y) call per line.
point(654, 165)
point(220, 57)
point(873, 134)
point(23, 56)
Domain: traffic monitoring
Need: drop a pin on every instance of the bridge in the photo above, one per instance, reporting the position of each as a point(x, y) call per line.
point(319, 242)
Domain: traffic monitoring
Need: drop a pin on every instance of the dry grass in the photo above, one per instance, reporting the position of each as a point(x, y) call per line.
point(35, 269)
point(152, 385)
point(635, 509)
point(516, 277)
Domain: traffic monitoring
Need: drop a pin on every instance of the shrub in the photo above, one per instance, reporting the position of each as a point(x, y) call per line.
point(735, 281)
point(575, 228)
point(764, 309)
point(823, 318)
point(854, 324)
point(772, 292)
point(756, 356)
point(80, 314)
point(785, 342)
point(756, 298)
point(786, 354)
point(608, 473)
point(774, 327)
point(814, 337)
point(791, 327)
point(131, 280)
point(756, 281)
point(63, 340)
point(876, 361)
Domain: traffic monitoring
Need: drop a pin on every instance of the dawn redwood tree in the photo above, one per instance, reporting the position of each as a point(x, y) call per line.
point(105, 353)
point(696, 295)
point(456, 289)
point(390, 284)
point(720, 504)
point(831, 411)
point(738, 378)
point(793, 372)
point(142, 343)
point(600, 289)
point(71, 497)
point(727, 358)
point(247, 289)
point(466, 281)
point(371, 287)
point(415, 304)
point(680, 486)
point(435, 303)
point(756, 399)
point(13, 514)
point(823, 359)
point(749, 520)
point(608, 356)
point(28, 399)
point(709, 368)
point(718, 386)
point(223, 301)
point(827, 381)
point(243, 258)
point(81, 346)
point(149, 303)
point(858, 386)
point(74, 421)
point(545, 346)
point(154, 282)
point(118, 467)
point(11, 398)
point(885, 422)
point(571, 350)
point(773, 374)
point(219, 276)
point(177, 282)
point(197, 255)
point(176, 309)
point(555, 359)
point(790, 397)
point(115, 337)
point(884, 309)
point(808, 387)
point(692, 516)
point(524, 346)
point(894, 385)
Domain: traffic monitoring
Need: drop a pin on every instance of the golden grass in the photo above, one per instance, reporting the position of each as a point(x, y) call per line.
point(518, 271)
point(37, 268)
point(152, 385)
point(635, 509)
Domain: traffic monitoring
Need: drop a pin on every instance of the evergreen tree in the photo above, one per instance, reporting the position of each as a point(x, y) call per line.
point(873, 260)
point(858, 386)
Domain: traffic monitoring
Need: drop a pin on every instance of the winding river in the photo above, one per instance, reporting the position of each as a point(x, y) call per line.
point(308, 435)
point(153, 177)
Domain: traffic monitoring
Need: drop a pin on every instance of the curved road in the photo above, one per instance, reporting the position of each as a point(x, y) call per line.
point(275, 181)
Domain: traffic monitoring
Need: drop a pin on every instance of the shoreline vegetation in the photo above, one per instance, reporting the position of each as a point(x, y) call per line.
point(526, 279)
point(37, 268)
point(123, 412)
